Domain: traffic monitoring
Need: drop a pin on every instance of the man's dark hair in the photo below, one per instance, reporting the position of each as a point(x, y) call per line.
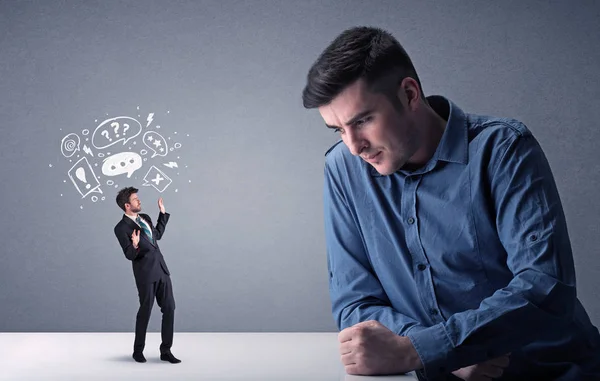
point(359, 52)
point(123, 196)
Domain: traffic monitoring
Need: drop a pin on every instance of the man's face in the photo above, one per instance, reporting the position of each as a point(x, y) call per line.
point(135, 206)
point(382, 134)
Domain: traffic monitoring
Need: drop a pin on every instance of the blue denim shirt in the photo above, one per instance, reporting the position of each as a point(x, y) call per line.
point(468, 256)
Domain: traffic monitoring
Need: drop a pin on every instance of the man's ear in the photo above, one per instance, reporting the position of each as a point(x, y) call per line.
point(409, 89)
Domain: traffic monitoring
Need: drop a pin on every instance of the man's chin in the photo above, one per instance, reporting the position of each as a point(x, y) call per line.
point(383, 171)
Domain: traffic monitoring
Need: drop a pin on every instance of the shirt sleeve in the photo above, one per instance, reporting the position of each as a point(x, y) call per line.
point(356, 293)
point(540, 298)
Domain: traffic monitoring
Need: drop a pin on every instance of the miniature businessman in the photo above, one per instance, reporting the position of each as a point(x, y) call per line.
point(138, 239)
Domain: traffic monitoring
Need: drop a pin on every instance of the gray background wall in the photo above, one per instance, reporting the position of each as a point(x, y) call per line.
point(245, 242)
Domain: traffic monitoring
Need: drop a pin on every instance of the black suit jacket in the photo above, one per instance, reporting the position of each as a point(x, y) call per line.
point(147, 261)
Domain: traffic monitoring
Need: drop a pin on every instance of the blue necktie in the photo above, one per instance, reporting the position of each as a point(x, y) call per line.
point(144, 227)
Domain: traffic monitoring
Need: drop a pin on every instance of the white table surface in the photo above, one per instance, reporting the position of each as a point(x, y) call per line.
point(205, 356)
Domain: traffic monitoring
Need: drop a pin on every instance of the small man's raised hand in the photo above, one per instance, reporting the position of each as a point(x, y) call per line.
point(161, 205)
point(135, 238)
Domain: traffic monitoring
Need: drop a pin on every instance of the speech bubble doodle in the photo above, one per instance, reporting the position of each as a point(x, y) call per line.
point(83, 177)
point(70, 144)
point(124, 162)
point(114, 130)
point(157, 179)
point(156, 143)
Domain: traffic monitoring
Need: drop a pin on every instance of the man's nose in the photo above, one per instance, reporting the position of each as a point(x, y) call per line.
point(355, 142)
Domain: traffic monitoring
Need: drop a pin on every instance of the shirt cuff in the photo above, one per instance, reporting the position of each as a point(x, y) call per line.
point(433, 347)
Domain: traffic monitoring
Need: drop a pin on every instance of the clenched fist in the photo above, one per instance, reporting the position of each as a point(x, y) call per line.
point(369, 348)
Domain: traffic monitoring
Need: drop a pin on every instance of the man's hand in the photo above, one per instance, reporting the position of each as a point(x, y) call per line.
point(135, 238)
point(369, 348)
point(161, 205)
point(484, 371)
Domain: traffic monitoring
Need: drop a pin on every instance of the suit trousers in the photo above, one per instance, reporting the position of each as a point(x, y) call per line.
point(162, 290)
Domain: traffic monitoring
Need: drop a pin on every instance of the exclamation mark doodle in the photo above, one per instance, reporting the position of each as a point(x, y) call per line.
point(80, 174)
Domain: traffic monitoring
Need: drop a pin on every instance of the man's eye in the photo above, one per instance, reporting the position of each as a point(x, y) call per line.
point(336, 130)
point(361, 122)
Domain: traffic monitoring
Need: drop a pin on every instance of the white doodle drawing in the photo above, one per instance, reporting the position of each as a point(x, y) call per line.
point(124, 162)
point(149, 119)
point(156, 143)
point(114, 130)
point(88, 150)
point(157, 179)
point(83, 177)
point(70, 144)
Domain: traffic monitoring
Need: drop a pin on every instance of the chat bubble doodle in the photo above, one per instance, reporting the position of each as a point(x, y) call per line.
point(157, 179)
point(83, 177)
point(156, 143)
point(70, 144)
point(124, 162)
point(114, 130)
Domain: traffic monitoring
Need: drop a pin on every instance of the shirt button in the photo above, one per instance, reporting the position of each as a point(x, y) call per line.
point(433, 311)
point(411, 220)
point(421, 267)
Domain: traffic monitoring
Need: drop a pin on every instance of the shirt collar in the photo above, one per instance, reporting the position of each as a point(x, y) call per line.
point(134, 218)
point(454, 145)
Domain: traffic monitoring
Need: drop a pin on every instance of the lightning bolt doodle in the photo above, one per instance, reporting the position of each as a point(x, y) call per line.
point(150, 119)
point(171, 164)
point(87, 150)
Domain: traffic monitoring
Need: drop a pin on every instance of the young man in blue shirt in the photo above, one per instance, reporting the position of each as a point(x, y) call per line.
point(447, 245)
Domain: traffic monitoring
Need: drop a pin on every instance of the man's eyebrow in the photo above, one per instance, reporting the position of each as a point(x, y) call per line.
point(352, 120)
point(358, 117)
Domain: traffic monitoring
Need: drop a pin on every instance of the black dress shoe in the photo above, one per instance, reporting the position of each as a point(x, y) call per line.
point(139, 357)
point(169, 357)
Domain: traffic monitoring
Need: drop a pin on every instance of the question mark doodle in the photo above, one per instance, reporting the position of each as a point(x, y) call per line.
point(115, 125)
point(114, 130)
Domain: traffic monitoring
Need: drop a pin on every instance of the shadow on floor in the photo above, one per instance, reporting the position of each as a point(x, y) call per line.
point(128, 358)
point(123, 358)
